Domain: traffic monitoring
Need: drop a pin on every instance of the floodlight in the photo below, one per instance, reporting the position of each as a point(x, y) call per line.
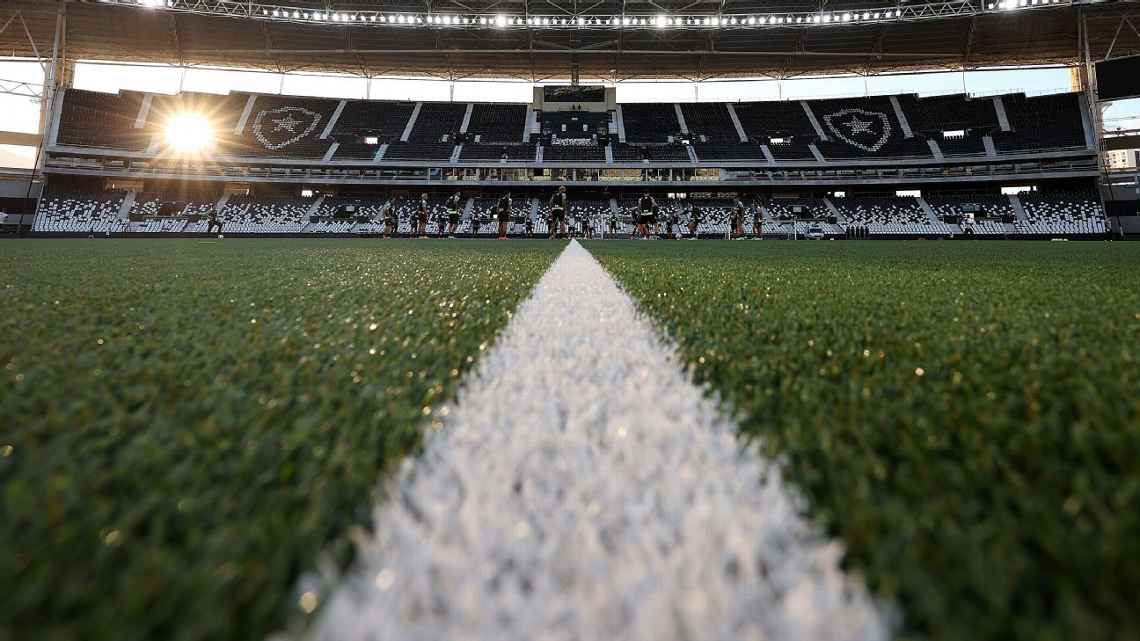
point(189, 133)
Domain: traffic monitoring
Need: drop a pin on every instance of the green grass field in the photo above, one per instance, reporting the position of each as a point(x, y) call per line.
point(187, 428)
point(964, 416)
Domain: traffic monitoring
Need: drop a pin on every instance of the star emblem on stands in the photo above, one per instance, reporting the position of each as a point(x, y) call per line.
point(858, 126)
point(288, 123)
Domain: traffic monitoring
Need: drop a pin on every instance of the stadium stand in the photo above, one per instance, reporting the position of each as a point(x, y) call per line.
point(497, 122)
point(1042, 122)
point(93, 119)
point(286, 126)
point(728, 151)
point(892, 216)
point(361, 120)
point(864, 127)
point(574, 124)
point(989, 212)
point(573, 153)
point(647, 122)
point(932, 117)
point(518, 151)
point(73, 213)
point(709, 122)
point(1063, 213)
point(438, 122)
point(410, 151)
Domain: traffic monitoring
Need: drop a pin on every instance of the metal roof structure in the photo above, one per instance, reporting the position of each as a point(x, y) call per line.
point(596, 40)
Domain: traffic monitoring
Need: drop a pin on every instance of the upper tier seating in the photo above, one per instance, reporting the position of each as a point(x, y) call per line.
point(92, 119)
point(864, 127)
point(709, 122)
point(764, 120)
point(286, 127)
point(1063, 213)
point(650, 122)
point(931, 117)
point(574, 124)
point(516, 151)
point(1043, 122)
point(729, 151)
point(95, 213)
point(497, 122)
point(666, 153)
point(384, 121)
point(439, 122)
point(410, 151)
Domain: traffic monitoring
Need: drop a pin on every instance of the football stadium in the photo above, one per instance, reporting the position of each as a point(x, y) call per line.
point(646, 320)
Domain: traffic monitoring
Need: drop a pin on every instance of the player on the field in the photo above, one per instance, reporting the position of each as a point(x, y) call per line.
point(505, 207)
point(212, 221)
point(423, 210)
point(391, 219)
point(757, 223)
point(612, 223)
point(671, 223)
point(453, 205)
point(559, 204)
point(645, 207)
point(695, 216)
point(737, 219)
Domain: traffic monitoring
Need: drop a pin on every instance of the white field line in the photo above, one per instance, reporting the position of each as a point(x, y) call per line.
point(582, 488)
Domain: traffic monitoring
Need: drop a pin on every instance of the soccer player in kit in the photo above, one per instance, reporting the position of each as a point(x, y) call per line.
point(529, 227)
point(504, 213)
point(737, 218)
point(453, 213)
point(213, 221)
point(422, 216)
point(559, 203)
point(391, 222)
point(645, 205)
point(757, 223)
point(695, 215)
point(671, 223)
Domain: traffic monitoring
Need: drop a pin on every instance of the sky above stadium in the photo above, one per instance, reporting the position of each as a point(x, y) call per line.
point(22, 114)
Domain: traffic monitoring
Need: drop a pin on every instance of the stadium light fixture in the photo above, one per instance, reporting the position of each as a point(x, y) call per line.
point(910, 11)
point(189, 133)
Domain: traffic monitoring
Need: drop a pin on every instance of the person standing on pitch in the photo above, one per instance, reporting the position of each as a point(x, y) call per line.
point(391, 221)
point(757, 223)
point(695, 215)
point(671, 222)
point(737, 218)
point(645, 214)
point(529, 226)
point(504, 215)
point(212, 221)
point(453, 213)
point(422, 213)
point(559, 204)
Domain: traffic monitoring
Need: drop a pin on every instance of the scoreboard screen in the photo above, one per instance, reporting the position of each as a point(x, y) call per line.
point(1118, 78)
point(571, 93)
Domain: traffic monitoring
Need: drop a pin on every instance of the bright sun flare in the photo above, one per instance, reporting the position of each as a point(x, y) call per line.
point(189, 133)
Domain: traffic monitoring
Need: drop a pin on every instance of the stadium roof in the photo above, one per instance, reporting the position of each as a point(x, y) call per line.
point(614, 40)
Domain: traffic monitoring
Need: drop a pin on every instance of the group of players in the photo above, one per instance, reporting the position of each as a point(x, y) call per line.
point(648, 220)
point(502, 213)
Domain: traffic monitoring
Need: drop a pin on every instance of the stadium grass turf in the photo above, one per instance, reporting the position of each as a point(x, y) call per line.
point(187, 428)
point(964, 416)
